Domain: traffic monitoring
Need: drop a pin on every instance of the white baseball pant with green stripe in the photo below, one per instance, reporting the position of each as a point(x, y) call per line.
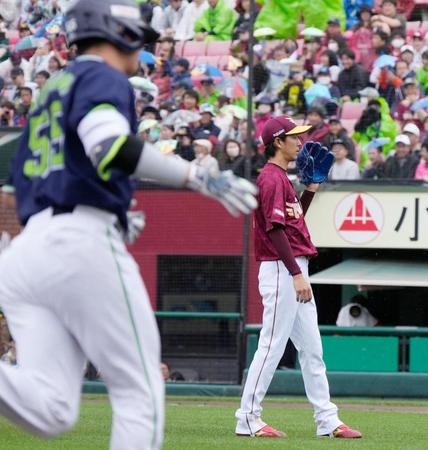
point(70, 292)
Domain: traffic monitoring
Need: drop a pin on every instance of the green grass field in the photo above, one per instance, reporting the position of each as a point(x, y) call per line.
point(208, 424)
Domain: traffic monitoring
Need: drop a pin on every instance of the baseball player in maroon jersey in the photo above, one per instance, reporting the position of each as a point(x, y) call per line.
point(283, 245)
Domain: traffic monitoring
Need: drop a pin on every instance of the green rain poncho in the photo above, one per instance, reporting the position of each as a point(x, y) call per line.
point(385, 128)
point(218, 22)
point(284, 15)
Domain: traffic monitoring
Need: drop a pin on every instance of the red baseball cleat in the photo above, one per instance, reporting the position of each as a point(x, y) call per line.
point(266, 432)
point(344, 432)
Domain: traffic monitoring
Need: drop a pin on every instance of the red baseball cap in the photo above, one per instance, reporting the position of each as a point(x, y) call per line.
point(277, 126)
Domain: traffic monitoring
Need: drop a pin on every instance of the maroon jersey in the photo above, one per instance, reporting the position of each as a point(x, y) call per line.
point(278, 203)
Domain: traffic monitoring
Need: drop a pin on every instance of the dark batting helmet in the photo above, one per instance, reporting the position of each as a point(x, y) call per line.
point(117, 21)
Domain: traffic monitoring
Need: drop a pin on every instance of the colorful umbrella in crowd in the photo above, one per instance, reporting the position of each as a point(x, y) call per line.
point(316, 91)
point(384, 60)
point(312, 32)
point(234, 87)
point(420, 104)
point(26, 43)
point(147, 58)
point(54, 26)
point(264, 32)
point(202, 72)
point(145, 85)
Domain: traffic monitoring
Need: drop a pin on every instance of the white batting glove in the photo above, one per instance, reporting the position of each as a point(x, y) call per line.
point(236, 194)
point(136, 224)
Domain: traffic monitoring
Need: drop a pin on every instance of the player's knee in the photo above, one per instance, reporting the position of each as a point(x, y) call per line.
point(61, 418)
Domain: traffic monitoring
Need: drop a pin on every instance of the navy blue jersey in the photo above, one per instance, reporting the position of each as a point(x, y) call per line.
point(51, 167)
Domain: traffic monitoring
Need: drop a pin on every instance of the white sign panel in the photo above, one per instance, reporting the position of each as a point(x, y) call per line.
point(371, 220)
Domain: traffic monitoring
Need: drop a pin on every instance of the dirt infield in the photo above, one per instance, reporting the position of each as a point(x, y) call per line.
point(372, 406)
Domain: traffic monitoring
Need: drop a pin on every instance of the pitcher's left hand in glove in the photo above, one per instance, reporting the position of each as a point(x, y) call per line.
point(314, 163)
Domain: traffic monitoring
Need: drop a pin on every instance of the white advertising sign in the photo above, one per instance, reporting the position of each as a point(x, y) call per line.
point(370, 220)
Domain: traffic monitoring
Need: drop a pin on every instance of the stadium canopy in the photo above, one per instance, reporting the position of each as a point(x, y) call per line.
point(375, 272)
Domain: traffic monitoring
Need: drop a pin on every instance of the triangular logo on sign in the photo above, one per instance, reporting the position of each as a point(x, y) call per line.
point(358, 218)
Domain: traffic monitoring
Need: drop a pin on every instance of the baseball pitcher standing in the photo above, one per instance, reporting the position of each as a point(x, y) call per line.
point(68, 286)
point(283, 245)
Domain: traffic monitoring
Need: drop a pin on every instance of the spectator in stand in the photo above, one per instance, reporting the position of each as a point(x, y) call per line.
point(41, 78)
point(380, 42)
point(403, 71)
point(161, 77)
point(149, 130)
point(312, 51)
point(404, 112)
point(167, 144)
point(361, 40)
point(181, 73)
point(407, 53)
point(401, 165)
point(216, 23)
point(412, 131)
point(260, 73)
point(150, 112)
point(208, 92)
point(152, 13)
point(203, 149)
point(55, 65)
point(18, 80)
point(167, 49)
point(329, 61)
point(337, 132)
point(234, 130)
point(178, 91)
point(389, 20)
point(390, 83)
point(334, 32)
point(419, 47)
point(231, 158)
point(172, 16)
point(207, 125)
point(421, 172)
point(422, 73)
point(184, 147)
point(190, 101)
point(8, 114)
point(319, 130)
point(278, 71)
point(352, 78)
point(353, 10)
point(397, 42)
point(243, 9)
point(185, 28)
point(264, 109)
point(40, 59)
point(343, 168)
point(375, 122)
point(375, 166)
point(293, 91)
point(15, 61)
point(23, 108)
point(240, 45)
point(166, 373)
point(324, 79)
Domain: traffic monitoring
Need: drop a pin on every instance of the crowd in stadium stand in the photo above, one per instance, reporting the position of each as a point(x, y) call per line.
point(361, 84)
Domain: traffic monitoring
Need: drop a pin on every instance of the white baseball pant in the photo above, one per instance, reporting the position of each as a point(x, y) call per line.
point(70, 291)
point(284, 318)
